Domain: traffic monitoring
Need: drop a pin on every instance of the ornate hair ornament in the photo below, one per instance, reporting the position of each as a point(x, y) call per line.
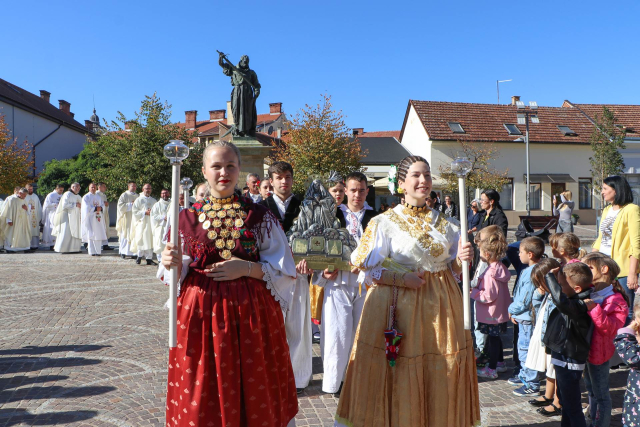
point(393, 180)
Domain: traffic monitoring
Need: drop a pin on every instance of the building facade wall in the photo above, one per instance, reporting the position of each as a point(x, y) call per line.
point(64, 143)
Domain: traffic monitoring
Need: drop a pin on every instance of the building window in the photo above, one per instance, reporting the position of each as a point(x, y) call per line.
point(506, 196)
point(512, 129)
point(584, 193)
point(566, 130)
point(456, 127)
point(535, 196)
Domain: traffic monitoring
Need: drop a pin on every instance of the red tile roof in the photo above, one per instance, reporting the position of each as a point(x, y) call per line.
point(208, 128)
point(381, 133)
point(626, 115)
point(485, 122)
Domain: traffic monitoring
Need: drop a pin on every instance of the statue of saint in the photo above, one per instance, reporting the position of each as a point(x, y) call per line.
point(246, 90)
point(317, 211)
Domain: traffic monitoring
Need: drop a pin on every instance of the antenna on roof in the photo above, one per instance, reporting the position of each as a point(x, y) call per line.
point(498, 87)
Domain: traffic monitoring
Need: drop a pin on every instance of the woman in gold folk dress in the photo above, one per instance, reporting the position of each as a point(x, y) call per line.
point(433, 381)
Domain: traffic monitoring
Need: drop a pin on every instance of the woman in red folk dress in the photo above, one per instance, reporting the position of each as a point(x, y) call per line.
point(231, 367)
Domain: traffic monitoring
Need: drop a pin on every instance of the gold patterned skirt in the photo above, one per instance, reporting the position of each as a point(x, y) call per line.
point(434, 382)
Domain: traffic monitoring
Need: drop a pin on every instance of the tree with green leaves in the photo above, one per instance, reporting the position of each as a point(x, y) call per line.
point(317, 143)
point(16, 161)
point(131, 149)
point(606, 140)
point(483, 175)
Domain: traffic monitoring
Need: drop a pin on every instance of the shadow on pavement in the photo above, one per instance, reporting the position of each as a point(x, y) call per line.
point(51, 349)
point(11, 417)
point(13, 365)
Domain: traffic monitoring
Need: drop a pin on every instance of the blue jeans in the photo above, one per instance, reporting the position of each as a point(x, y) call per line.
point(529, 377)
point(631, 294)
point(480, 338)
point(596, 378)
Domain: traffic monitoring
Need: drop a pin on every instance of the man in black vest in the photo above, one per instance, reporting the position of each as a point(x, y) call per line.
point(297, 320)
point(343, 301)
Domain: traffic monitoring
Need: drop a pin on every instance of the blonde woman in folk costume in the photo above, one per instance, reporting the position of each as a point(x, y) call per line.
point(410, 254)
point(231, 366)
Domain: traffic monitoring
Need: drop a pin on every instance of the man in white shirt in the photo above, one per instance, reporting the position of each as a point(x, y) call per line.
point(124, 219)
point(34, 212)
point(343, 300)
point(93, 231)
point(286, 207)
point(48, 213)
point(102, 192)
point(141, 234)
point(253, 182)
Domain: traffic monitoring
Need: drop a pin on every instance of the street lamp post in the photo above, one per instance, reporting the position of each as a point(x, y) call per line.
point(461, 167)
point(524, 115)
point(176, 151)
point(186, 184)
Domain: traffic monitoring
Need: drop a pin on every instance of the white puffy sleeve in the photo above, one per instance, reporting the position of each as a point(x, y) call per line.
point(371, 252)
point(276, 258)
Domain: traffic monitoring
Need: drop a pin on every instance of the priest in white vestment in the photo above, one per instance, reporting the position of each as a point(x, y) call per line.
point(1, 227)
point(141, 233)
point(15, 222)
point(165, 236)
point(159, 221)
point(48, 213)
point(123, 220)
point(34, 211)
point(93, 231)
point(66, 223)
point(102, 192)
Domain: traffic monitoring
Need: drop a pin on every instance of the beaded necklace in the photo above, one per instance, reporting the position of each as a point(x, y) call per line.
point(223, 218)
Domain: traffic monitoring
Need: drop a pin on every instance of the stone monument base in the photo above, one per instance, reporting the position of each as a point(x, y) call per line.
point(253, 154)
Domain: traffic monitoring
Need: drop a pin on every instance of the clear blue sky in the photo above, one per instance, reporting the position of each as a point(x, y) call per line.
point(371, 56)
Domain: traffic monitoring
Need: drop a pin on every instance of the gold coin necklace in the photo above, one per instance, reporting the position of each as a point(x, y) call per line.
point(223, 219)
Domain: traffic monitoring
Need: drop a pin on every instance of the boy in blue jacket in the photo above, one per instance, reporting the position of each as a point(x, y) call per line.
point(525, 298)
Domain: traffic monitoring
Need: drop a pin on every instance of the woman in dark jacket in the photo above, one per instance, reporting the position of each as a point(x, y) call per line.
point(493, 214)
point(449, 208)
point(474, 216)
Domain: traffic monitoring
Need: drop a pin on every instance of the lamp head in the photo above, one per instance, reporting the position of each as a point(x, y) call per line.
point(176, 151)
point(461, 166)
point(186, 183)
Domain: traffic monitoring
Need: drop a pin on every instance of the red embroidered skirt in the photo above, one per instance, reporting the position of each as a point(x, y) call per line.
point(231, 367)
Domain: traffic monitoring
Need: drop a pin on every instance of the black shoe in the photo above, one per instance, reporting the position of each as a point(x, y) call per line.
point(150, 262)
point(540, 403)
point(106, 247)
point(86, 245)
point(123, 256)
point(556, 411)
point(316, 338)
point(138, 260)
point(299, 390)
point(50, 248)
point(337, 393)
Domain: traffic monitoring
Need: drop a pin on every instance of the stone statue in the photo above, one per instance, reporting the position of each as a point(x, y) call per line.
point(318, 209)
point(246, 90)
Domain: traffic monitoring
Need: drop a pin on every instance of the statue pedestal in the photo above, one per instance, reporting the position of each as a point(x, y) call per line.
point(253, 154)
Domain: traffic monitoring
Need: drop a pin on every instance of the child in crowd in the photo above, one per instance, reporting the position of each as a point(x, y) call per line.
point(628, 349)
point(566, 248)
point(521, 313)
point(492, 297)
point(568, 335)
point(608, 308)
point(537, 358)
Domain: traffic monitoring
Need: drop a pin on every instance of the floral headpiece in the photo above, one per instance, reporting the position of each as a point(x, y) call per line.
point(393, 180)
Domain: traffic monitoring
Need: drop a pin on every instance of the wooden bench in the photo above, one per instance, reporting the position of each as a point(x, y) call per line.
point(540, 221)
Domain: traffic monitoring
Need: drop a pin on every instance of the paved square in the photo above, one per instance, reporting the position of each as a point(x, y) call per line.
point(83, 341)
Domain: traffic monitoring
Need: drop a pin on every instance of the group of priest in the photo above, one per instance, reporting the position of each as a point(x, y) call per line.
point(69, 220)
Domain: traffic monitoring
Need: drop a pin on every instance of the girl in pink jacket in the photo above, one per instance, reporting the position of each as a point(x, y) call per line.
point(492, 296)
point(608, 308)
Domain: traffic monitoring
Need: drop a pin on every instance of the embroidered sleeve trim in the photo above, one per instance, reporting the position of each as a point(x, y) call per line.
point(270, 286)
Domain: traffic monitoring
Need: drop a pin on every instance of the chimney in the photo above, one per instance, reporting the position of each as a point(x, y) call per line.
point(45, 95)
point(128, 125)
point(358, 131)
point(190, 119)
point(514, 99)
point(275, 108)
point(65, 107)
point(217, 115)
point(89, 125)
point(229, 114)
point(72, 114)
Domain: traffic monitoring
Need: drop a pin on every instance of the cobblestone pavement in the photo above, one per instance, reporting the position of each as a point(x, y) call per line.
point(83, 342)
